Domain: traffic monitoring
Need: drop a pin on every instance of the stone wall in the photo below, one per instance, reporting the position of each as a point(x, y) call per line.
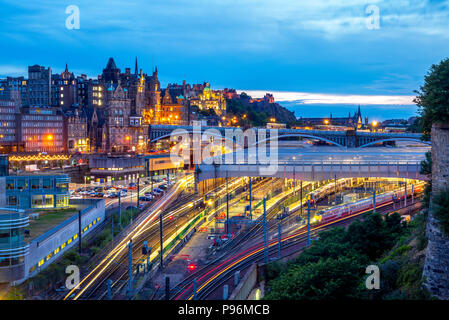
point(436, 267)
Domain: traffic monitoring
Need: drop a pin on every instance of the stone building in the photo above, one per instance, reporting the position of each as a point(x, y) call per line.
point(77, 134)
point(39, 86)
point(63, 89)
point(206, 98)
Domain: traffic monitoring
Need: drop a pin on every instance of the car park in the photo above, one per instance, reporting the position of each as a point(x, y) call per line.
point(146, 198)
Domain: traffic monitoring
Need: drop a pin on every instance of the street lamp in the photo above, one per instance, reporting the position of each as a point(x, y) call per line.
point(374, 124)
point(326, 122)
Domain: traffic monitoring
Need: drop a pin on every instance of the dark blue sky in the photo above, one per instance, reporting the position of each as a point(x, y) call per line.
point(319, 46)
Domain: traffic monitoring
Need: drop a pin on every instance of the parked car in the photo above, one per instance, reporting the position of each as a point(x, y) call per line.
point(146, 198)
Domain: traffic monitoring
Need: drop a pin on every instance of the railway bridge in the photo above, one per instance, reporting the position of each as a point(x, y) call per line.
point(348, 138)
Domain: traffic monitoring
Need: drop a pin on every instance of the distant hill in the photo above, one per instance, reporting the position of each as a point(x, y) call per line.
point(259, 111)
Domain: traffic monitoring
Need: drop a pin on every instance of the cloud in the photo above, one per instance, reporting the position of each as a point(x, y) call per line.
point(324, 98)
point(13, 70)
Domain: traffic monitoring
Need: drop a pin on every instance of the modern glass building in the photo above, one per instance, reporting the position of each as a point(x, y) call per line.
point(13, 248)
point(4, 166)
point(37, 191)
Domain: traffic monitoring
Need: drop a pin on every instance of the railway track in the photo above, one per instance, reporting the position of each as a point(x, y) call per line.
point(220, 272)
point(118, 270)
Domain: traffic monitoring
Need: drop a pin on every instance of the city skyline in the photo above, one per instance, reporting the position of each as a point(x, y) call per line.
point(246, 47)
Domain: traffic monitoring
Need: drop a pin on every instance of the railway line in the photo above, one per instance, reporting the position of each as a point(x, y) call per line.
point(211, 277)
point(117, 266)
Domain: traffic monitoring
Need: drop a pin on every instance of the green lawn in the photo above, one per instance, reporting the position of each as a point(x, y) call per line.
point(49, 219)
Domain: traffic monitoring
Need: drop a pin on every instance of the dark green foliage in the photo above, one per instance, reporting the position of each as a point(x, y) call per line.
point(332, 244)
point(433, 97)
point(441, 210)
point(238, 109)
point(374, 235)
point(324, 280)
point(426, 164)
point(415, 126)
point(334, 267)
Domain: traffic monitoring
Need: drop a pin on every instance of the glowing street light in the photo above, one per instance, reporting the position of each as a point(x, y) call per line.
point(326, 122)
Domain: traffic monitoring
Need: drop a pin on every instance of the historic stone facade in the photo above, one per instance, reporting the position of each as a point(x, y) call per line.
point(436, 267)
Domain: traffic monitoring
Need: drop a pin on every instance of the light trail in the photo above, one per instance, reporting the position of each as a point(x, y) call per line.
point(123, 244)
point(262, 247)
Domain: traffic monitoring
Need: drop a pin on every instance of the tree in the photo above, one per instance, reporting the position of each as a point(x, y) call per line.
point(441, 210)
point(324, 280)
point(426, 165)
point(433, 97)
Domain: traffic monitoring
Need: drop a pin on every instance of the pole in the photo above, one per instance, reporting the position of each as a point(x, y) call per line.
point(301, 197)
point(279, 240)
point(236, 278)
point(138, 193)
point(225, 292)
point(194, 289)
point(250, 199)
point(161, 239)
point(151, 175)
point(294, 180)
point(308, 222)
point(335, 194)
point(112, 224)
point(167, 288)
point(130, 269)
point(109, 289)
point(119, 211)
point(413, 195)
point(405, 194)
point(227, 204)
point(374, 200)
point(79, 231)
point(265, 227)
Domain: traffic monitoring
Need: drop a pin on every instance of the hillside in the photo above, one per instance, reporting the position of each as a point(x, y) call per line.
point(259, 111)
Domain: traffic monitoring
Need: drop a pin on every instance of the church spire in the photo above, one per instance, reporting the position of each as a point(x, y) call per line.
point(136, 69)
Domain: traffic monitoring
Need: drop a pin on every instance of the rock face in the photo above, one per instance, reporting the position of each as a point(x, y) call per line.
point(436, 266)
